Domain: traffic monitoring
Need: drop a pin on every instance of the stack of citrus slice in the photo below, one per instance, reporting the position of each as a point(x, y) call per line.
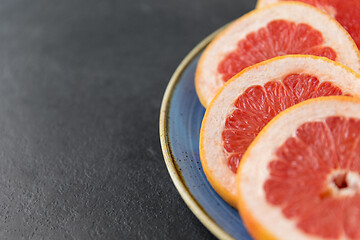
point(297, 177)
point(252, 98)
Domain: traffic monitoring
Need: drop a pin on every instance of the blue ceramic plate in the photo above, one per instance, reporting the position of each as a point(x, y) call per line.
point(180, 121)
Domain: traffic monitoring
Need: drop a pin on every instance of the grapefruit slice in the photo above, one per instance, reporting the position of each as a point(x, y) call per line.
point(300, 178)
point(252, 98)
point(345, 12)
point(279, 29)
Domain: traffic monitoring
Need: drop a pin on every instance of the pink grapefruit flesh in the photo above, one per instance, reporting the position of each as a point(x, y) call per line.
point(312, 173)
point(259, 104)
point(279, 37)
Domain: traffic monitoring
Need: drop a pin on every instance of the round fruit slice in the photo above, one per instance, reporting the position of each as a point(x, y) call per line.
point(252, 98)
point(300, 178)
point(280, 29)
point(345, 12)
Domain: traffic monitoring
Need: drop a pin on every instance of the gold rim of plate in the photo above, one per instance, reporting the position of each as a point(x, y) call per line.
point(189, 199)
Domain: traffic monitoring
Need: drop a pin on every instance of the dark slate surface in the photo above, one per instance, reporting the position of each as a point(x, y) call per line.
point(81, 83)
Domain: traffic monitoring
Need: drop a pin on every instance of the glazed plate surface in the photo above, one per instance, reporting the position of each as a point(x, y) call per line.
point(180, 122)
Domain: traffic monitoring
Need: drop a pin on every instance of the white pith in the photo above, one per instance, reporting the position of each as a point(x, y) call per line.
point(254, 172)
point(326, 8)
point(209, 81)
point(263, 3)
point(222, 106)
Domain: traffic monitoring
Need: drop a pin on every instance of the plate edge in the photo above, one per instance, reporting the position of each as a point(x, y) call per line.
point(194, 206)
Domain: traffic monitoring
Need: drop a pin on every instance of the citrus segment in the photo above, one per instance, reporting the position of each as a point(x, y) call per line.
point(303, 170)
point(259, 104)
point(278, 38)
point(252, 98)
point(345, 12)
point(280, 29)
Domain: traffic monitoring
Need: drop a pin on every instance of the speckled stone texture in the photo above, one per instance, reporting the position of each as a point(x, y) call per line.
point(81, 83)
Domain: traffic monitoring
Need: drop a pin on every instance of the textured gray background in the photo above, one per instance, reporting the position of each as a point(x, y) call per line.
point(81, 83)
